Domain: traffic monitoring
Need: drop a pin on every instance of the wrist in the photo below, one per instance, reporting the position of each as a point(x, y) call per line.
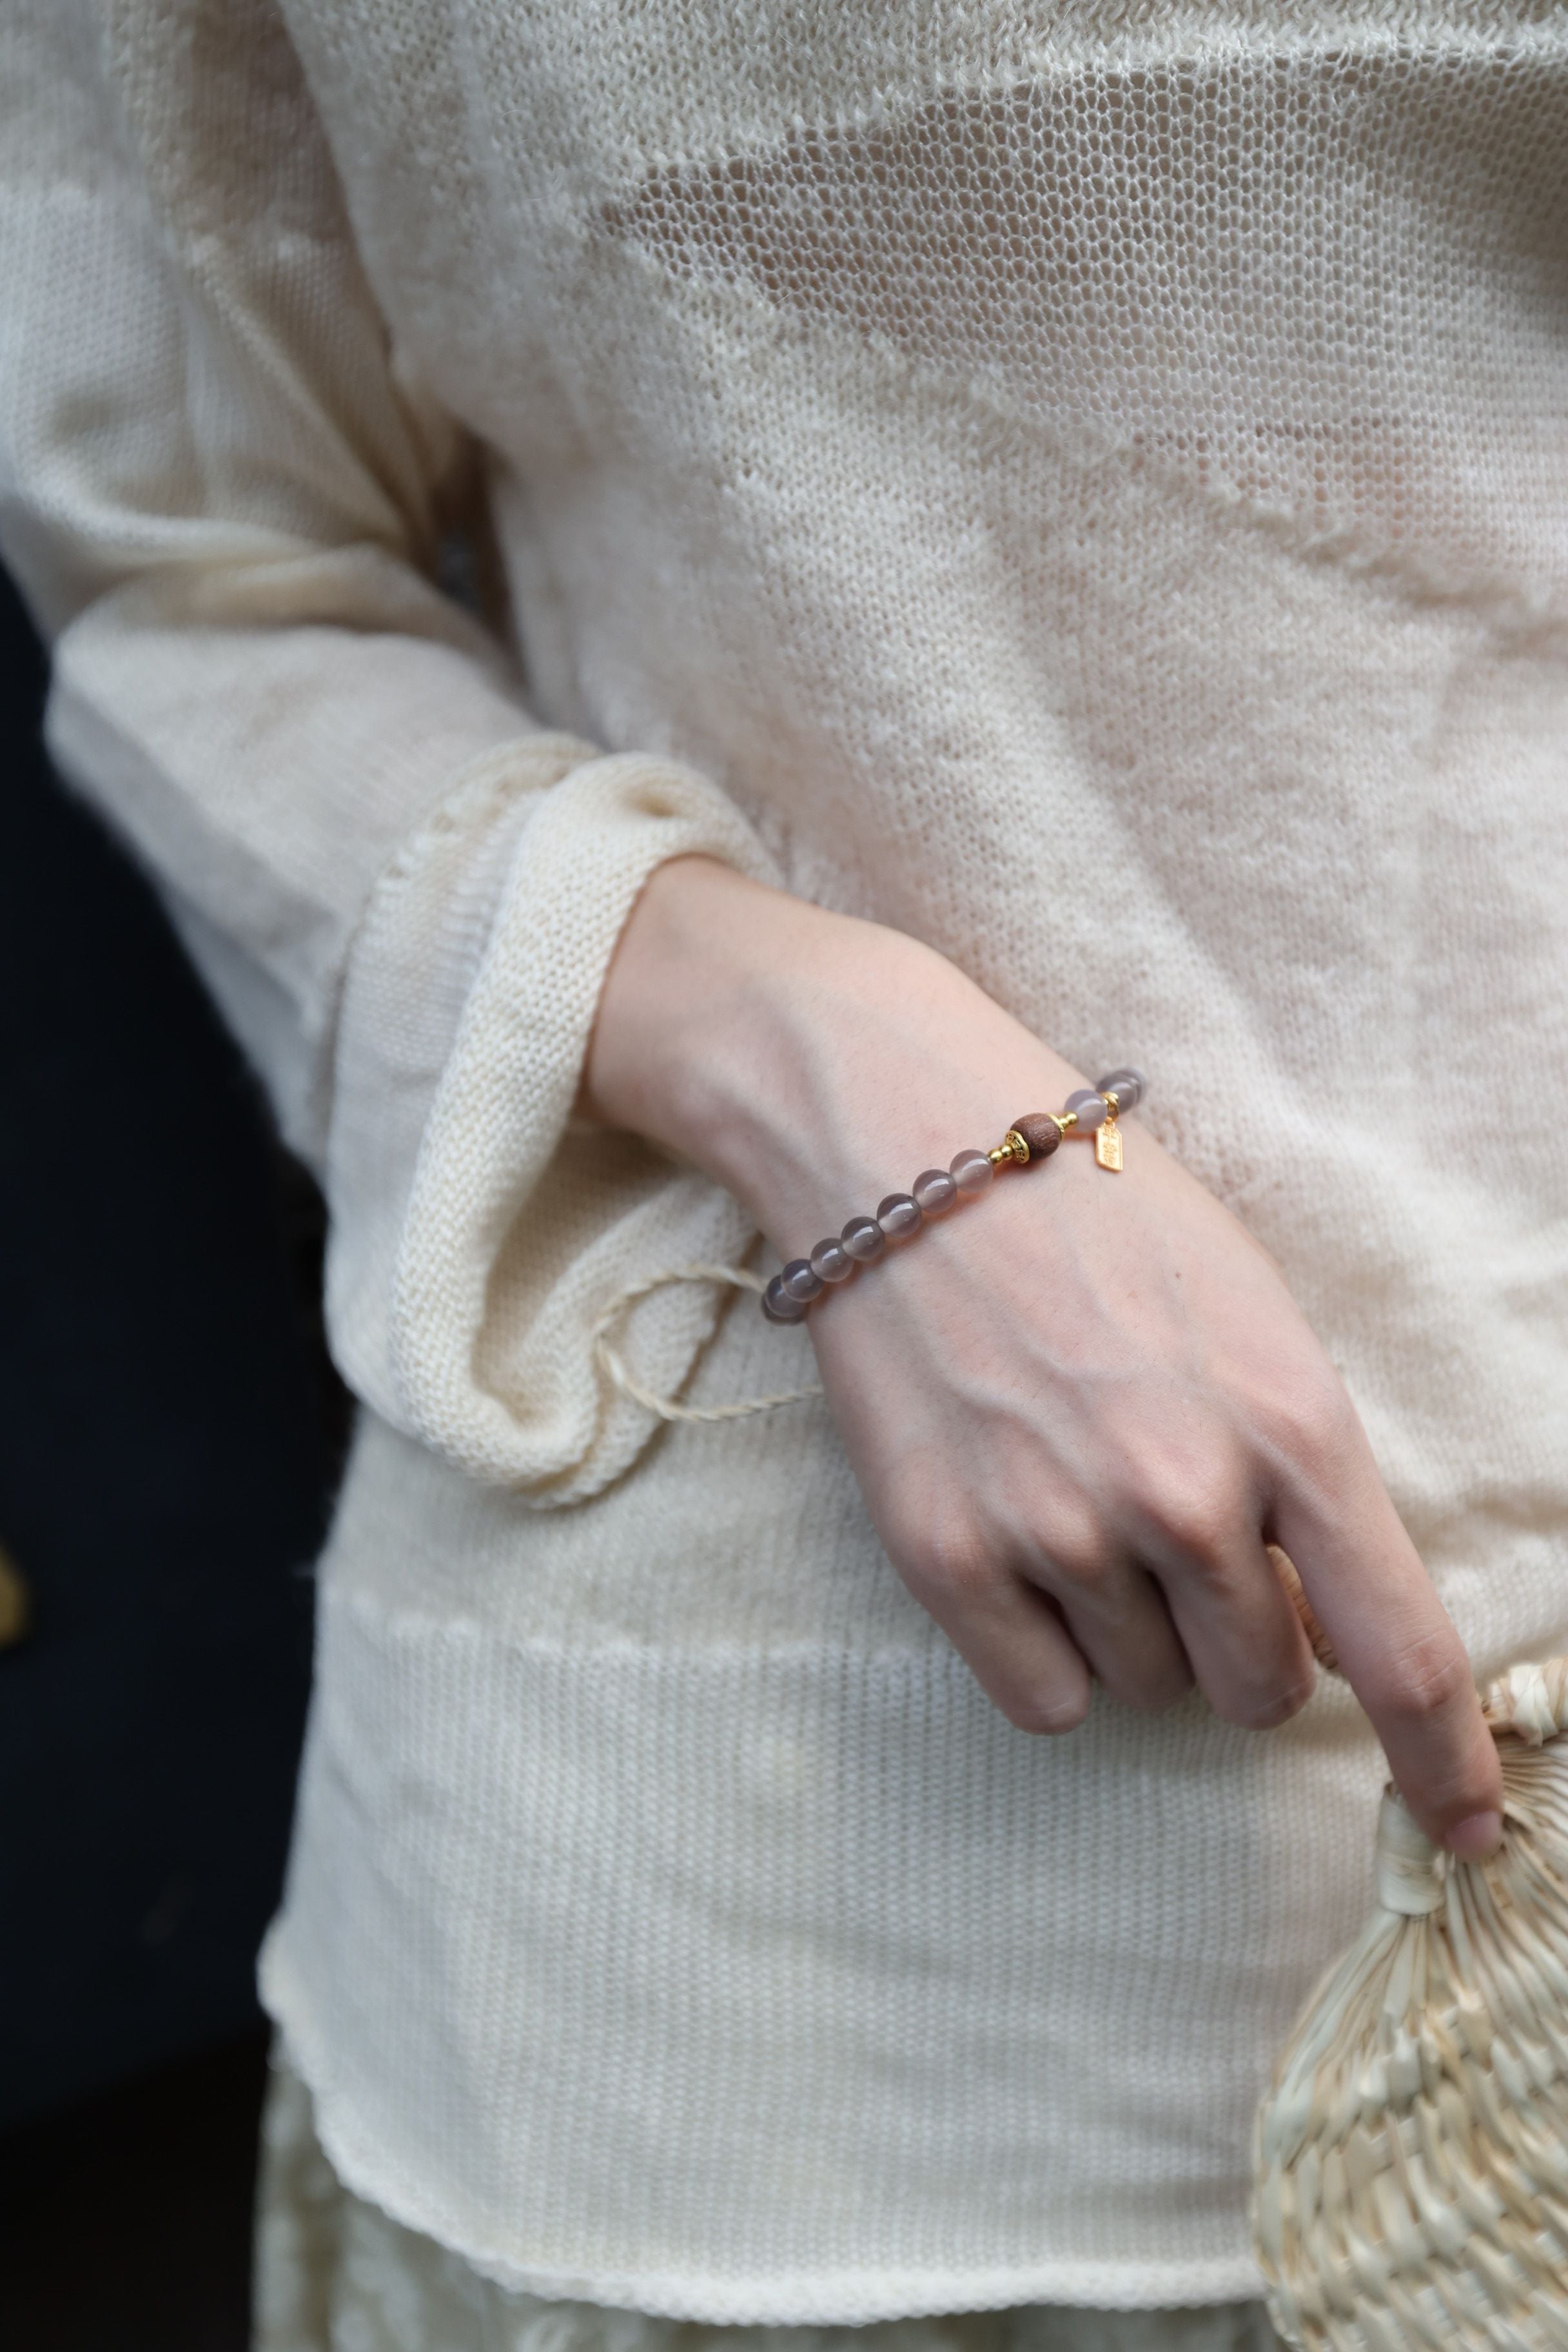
point(797, 1055)
point(688, 1021)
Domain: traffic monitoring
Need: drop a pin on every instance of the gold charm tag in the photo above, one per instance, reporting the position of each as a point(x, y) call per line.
point(1108, 1146)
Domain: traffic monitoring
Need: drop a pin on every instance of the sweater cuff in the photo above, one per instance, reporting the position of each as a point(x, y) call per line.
point(478, 1232)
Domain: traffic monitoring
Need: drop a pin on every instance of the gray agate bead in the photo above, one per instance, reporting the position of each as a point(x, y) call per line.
point(1128, 1085)
point(899, 1217)
point(1090, 1110)
point(778, 1306)
point(864, 1239)
point(934, 1191)
point(801, 1280)
point(831, 1262)
point(972, 1172)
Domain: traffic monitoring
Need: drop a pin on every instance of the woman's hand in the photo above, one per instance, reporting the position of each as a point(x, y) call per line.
point(1078, 1409)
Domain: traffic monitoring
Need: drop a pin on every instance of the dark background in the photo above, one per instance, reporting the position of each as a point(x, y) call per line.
point(169, 1435)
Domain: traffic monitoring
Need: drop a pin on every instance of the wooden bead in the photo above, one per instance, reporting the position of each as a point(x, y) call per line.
point(1040, 1132)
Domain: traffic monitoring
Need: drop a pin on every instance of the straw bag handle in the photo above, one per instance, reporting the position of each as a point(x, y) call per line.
point(1296, 1591)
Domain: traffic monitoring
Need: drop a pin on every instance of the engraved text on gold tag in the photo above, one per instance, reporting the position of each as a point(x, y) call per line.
point(1108, 1146)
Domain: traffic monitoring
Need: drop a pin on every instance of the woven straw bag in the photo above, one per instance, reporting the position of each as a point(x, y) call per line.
point(1412, 2152)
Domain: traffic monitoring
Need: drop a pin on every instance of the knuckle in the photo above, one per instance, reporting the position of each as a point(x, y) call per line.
point(1426, 1679)
point(1080, 1549)
point(1311, 1421)
point(953, 1560)
point(1198, 1510)
point(1084, 1570)
point(1046, 1714)
point(1266, 1710)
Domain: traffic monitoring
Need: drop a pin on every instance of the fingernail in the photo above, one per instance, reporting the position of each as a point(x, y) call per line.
point(1478, 1835)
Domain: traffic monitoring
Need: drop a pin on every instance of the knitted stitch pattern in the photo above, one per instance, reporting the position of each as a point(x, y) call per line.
point(1086, 485)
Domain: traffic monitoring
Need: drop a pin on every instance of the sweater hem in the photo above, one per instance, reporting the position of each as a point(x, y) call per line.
point(839, 2297)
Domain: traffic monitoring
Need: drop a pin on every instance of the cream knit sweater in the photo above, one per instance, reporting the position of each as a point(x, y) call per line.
point(1086, 484)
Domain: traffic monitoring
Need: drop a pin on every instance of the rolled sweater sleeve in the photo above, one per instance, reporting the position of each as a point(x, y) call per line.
point(222, 494)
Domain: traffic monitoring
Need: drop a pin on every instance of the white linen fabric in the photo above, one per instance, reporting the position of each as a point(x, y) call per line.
point(1086, 485)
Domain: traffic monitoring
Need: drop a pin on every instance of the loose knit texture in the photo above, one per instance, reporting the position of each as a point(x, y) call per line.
point(335, 2272)
point(1086, 487)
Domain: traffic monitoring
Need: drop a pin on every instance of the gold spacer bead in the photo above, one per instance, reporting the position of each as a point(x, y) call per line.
point(1065, 1118)
point(1017, 1147)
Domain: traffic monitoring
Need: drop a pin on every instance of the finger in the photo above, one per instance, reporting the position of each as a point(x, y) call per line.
point(1116, 1613)
point(1198, 1526)
point(1399, 1651)
point(1019, 1652)
point(1250, 1656)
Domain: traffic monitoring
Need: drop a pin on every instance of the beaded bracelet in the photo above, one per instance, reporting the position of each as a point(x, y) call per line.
point(1093, 1110)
